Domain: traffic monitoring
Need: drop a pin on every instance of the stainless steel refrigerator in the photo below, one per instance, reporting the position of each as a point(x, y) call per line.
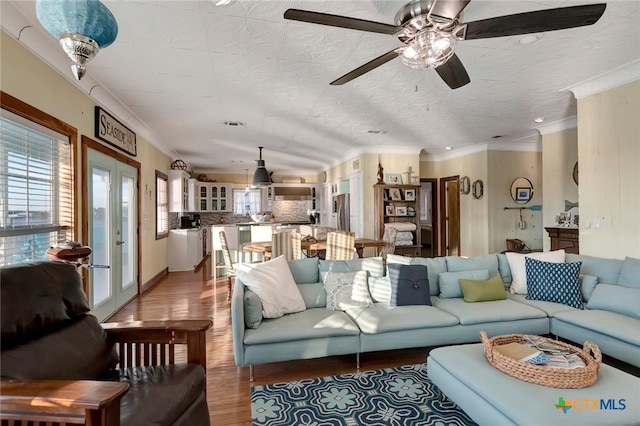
point(342, 211)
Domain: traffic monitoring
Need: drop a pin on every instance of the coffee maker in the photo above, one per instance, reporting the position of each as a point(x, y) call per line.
point(190, 221)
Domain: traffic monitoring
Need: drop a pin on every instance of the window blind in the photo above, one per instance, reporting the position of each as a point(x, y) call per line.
point(162, 205)
point(36, 183)
point(246, 202)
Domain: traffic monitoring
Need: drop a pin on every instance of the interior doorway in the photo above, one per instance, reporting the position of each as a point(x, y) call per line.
point(450, 216)
point(429, 217)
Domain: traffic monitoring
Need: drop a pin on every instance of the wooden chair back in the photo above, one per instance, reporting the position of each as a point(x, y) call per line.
point(340, 245)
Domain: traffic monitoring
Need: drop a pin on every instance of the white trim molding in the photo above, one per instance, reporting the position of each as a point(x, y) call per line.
point(600, 83)
point(531, 143)
point(558, 126)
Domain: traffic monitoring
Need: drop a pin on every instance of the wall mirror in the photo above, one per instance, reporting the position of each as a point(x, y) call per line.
point(521, 190)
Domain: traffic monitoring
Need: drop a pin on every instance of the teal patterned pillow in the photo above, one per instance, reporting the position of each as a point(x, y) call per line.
point(554, 282)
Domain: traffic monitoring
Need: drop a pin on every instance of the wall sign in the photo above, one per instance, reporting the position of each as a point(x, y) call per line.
point(113, 132)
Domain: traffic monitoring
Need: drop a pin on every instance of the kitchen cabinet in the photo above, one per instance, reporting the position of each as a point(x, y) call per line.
point(185, 249)
point(213, 197)
point(181, 191)
point(398, 204)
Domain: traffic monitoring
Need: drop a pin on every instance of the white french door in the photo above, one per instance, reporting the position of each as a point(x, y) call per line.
point(112, 220)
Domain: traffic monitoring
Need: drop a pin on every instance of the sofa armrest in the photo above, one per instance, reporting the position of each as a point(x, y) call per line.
point(237, 321)
point(59, 401)
point(153, 342)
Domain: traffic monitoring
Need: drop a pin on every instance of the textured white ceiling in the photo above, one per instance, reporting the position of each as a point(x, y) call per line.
point(183, 68)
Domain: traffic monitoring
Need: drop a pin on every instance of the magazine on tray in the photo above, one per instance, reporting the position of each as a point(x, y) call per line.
point(557, 356)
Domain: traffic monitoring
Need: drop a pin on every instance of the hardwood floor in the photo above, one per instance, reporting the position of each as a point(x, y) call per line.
point(183, 295)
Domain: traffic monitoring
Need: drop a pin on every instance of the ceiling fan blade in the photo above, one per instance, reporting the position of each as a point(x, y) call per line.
point(453, 73)
point(449, 9)
point(340, 21)
point(535, 22)
point(371, 65)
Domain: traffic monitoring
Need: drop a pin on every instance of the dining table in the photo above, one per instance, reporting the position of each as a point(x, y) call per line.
point(312, 245)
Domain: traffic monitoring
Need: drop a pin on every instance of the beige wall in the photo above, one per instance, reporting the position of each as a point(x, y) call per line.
point(27, 78)
point(609, 155)
point(559, 155)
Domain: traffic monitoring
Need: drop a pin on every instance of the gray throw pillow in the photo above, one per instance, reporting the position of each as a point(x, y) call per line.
point(409, 285)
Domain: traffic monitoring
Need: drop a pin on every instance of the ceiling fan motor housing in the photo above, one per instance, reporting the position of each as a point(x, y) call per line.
point(414, 18)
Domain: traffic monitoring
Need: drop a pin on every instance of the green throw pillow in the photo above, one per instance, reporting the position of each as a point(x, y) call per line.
point(483, 290)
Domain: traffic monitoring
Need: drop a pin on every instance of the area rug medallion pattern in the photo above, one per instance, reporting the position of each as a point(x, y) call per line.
point(393, 396)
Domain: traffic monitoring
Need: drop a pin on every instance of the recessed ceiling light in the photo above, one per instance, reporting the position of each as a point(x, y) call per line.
point(528, 39)
point(224, 2)
point(448, 148)
point(538, 119)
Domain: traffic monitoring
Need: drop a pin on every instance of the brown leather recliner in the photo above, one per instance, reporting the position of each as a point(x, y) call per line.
point(59, 364)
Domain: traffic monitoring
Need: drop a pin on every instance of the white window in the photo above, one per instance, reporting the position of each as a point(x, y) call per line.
point(247, 202)
point(162, 205)
point(36, 187)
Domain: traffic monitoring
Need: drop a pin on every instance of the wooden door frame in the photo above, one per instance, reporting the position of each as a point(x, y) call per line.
point(96, 146)
point(443, 184)
point(435, 244)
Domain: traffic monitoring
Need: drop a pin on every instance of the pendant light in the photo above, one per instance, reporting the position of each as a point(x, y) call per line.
point(261, 176)
point(83, 27)
point(247, 188)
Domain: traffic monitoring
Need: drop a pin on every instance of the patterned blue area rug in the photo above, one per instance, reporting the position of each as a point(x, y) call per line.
point(393, 396)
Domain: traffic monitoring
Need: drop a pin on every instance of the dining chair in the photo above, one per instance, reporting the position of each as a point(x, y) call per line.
point(228, 264)
point(389, 238)
point(286, 243)
point(340, 245)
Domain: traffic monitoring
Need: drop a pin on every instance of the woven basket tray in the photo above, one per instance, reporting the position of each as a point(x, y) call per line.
point(566, 378)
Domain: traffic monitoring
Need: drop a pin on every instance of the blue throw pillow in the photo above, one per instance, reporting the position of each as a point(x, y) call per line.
point(554, 282)
point(409, 285)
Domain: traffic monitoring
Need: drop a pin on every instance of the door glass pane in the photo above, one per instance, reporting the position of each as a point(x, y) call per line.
point(128, 232)
point(100, 235)
point(214, 191)
point(223, 192)
point(214, 205)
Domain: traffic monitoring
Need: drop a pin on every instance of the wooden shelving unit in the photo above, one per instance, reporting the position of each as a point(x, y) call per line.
point(394, 203)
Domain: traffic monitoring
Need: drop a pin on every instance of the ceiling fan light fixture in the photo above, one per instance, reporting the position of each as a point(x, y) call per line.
point(261, 175)
point(429, 49)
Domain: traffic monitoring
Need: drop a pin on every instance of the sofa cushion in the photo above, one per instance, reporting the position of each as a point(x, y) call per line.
point(630, 273)
point(550, 308)
point(434, 267)
point(611, 324)
point(607, 270)
point(385, 318)
point(79, 350)
point(616, 298)
point(450, 284)
point(485, 312)
point(273, 282)
point(380, 289)
point(313, 323)
point(304, 271)
point(554, 282)
point(503, 267)
point(488, 262)
point(158, 395)
point(409, 285)
point(373, 265)
point(347, 290)
point(518, 271)
point(587, 285)
point(313, 295)
point(483, 290)
point(252, 309)
point(43, 295)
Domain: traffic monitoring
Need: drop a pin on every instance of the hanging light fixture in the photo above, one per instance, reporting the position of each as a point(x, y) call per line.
point(261, 176)
point(247, 188)
point(82, 26)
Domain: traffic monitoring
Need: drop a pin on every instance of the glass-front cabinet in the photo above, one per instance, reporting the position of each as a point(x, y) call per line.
point(213, 197)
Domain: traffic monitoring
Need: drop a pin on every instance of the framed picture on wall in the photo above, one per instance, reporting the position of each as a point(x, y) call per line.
point(390, 210)
point(410, 194)
point(523, 194)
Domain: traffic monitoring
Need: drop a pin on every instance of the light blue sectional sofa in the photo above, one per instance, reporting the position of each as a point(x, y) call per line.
point(611, 318)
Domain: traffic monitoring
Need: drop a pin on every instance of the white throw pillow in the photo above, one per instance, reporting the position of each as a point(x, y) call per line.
point(519, 272)
point(347, 290)
point(273, 282)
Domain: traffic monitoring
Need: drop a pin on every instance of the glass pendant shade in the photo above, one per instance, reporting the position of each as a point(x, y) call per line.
point(429, 49)
point(261, 175)
point(82, 26)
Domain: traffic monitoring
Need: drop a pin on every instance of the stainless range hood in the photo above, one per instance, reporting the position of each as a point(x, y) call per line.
point(295, 193)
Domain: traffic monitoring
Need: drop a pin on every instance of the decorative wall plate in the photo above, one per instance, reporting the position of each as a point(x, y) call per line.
point(478, 189)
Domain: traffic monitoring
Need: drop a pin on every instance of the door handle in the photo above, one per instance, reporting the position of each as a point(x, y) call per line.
point(119, 243)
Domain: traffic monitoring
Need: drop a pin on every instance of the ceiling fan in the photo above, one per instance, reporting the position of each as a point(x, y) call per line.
point(430, 29)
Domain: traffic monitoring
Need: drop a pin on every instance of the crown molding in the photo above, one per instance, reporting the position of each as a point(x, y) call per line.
point(605, 81)
point(530, 143)
point(403, 150)
point(558, 126)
